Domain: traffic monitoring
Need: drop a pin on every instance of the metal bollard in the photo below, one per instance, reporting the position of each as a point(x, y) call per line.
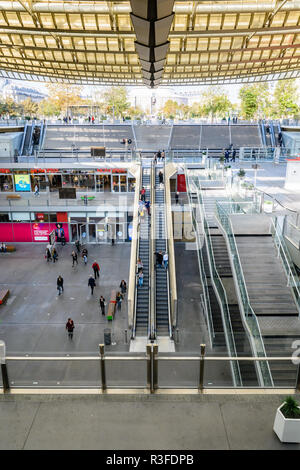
point(177, 335)
point(5, 379)
point(201, 378)
point(149, 367)
point(155, 366)
point(102, 367)
point(125, 336)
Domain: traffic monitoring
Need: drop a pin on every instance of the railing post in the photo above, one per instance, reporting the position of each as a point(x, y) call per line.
point(155, 366)
point(102, 367)
point(5, 380)
point(201, 378)
point(125, 336)
point(149, 367)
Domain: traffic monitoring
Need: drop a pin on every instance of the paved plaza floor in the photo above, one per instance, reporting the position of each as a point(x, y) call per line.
point(160, 422)
point(33, 319)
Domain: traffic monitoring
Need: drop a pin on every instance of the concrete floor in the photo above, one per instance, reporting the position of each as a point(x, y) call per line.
point(33, 319)
point(160, 422)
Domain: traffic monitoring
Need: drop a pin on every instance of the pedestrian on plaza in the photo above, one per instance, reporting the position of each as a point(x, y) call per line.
point(159, 258)
point(163, 155)
point(233, 155)
point(147, 205)
point(77, 244)
point(54, 255)
point(102, 304)
point(119, 298)
point(36, 190)
point(166, 260)
point(70, 327)
point(177, 197)
point(161, 177)
point(140, 265)
point(74, 258)
point(92, 284)
point(60, 285)
point(158, 156)
point(155, 158)
point(84, 252)
point(48, 255)
point(226, 156)
point(123, 286)
point(143, 194)
point(140, 278)
point(96, 269)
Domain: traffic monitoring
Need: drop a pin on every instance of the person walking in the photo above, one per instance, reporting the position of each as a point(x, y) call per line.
point(147, 205)
point(140, 265)
point(166, 260)
point(177, 197)
point(119, 298)
point(140, 278)
point(92, 284)
point(158, 156)
point(85, 255)
point(60, 285)
point(36, 190)
point(70, 327)
point(159, 258)
point(77, 244)
point(48, 255)
point(96, 269)
point(123, 286)
point(233, 155)
point(54, 255)
point(143, 194)
point(74, 258)
point(102, 304)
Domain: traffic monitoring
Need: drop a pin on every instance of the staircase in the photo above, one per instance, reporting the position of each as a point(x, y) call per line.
point(265, 277)
point(162, 300)
point(142, 295)
point(284, 373)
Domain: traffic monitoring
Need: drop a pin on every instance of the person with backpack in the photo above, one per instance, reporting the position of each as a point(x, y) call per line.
point(96, 269)
point(70, 327)
point(123, 286)
point(102, 304)
point(119, 298)
point(92, 284)
point(74, 258)
point(60, 285)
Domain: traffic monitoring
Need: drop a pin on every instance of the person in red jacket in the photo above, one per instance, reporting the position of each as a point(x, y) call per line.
point(143, 194)
point(96, 269)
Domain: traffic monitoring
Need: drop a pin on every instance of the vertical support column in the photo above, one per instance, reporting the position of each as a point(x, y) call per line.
point(5, 379)
point(297, 386)
point(155, 367)
point(201, 377)
point(102, 367)
point(149, 367)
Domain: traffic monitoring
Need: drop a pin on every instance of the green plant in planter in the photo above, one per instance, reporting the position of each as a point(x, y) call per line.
point(290, 408)
point(221, 159)
point(241, 173)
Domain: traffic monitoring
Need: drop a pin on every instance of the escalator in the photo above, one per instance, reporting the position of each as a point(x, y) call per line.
point(142, 293)
point(161, 274)
point(27, 140)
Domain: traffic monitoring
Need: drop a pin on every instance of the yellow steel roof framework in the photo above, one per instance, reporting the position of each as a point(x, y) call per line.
point(95, 42)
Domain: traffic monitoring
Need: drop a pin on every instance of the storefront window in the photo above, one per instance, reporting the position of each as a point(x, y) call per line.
point(21, 216)
point(82, 181)
point(123, 183)
point(131, 185)
point(40, 181)
point(55, 182)
point(4, 217)
point(6, 183)
point(115, 186)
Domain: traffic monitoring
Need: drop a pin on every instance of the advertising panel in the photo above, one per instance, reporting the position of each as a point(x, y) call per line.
point(30, 232)
point(22, 182)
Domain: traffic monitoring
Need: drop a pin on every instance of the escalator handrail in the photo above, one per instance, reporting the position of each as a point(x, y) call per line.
point(168, 251)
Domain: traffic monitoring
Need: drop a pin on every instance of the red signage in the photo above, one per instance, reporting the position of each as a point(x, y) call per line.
point(4, 170)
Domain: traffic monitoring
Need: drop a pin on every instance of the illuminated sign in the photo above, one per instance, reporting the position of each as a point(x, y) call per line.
point(22, 183)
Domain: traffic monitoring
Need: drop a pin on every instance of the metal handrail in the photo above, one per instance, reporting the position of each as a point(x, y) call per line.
point(23, 139)
point(249, 318)
point(207, 309)
point(168, 251)
point(152, 280)
point(292, 277)
point(219, 289)
point(136, 256)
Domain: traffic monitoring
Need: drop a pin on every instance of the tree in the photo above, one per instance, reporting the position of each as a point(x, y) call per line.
point(170, 109)
point(256, 101)
point(62, 95)
point(48, 108)
point(115, 101)
point(30, 108)
point(285, 98)
point(248, 99)
point(214, 103)
point(12, 108)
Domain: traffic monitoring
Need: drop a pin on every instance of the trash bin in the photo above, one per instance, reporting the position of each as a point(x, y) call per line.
point(107, 337)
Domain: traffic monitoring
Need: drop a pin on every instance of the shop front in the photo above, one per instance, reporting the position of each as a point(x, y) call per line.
point(117, 180)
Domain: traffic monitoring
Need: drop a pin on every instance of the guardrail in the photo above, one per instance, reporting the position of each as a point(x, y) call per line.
point(167, 235)
point(152, 371)
point(169, 170)
point(131, 300)
point(218, 287)
point(249, 318)
point(152, 279)
point(290, 271)
point(206, 307)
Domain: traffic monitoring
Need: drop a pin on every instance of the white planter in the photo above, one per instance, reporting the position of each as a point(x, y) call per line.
point(287, 430)
point(268, 207)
